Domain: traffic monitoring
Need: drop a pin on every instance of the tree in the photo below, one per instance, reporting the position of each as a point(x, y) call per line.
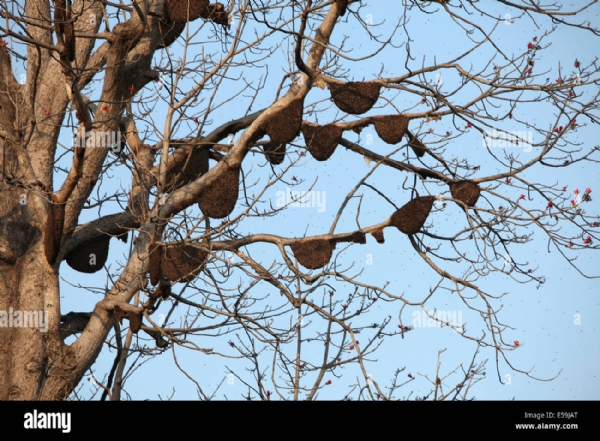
point(177, 99)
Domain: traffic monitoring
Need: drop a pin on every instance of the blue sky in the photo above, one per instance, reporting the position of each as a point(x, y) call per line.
point(555, 322)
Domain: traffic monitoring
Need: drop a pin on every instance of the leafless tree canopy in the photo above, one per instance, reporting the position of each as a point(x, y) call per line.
point(201, 110)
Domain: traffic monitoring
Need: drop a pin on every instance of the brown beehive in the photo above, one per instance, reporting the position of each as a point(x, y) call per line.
point(169, 32)
point(218, 200)
point(258, 134)
point(182, 263)
point(53, 229)
point(465, 191)
point(391, 128)
point(69, 36)
point(119, 313)
point(90, 257)
point(418, 147)
point(60, 15)
point(313, 253)
point(411, 217)
point(135, 321)
point(354, 97)
point(321, 141)
point(155, 253)
point(163, 290)
point(284, 125)
point(135, 318)
point(275, 153)
point(189, 164)
point(217, 14)
point(378, 235)
point(177, 10)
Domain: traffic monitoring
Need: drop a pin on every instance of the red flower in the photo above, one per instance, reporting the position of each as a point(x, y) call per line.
point(573, 123)
point(351, 347)
point(576, 64)
point(430, 130)
point(531, 62)
point(566, 162)
point(196, 120)
point(528, 71)
point(47, 111)
point(530, 45)
point(534, 38)
point(550, 204)
point(570, 244)
point(596, 224)
point(587, 239)
point(344, 306)
point(588, 190)
point(4, 43)
point(559, 80)
point(410, 375)
point(328, 382)
point(576, 191)
point(573, 203)
point(469, 125)
point(424, 100)
point(132, 89)
point(516, 342)
point(268, 393)
point(571, 94)
point(522, 196)
point(374, 299)
point(105, 108)
point(427, 249)
point(556, 129)
point(447, 133)
point(508, 180)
